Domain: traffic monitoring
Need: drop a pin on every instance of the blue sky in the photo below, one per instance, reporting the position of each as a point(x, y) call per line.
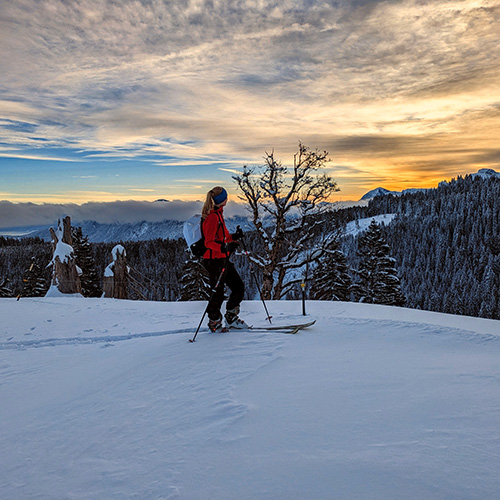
point(107, 100)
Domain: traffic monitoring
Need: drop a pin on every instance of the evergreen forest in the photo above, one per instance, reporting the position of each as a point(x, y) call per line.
point(446, 242)
point(440, 253)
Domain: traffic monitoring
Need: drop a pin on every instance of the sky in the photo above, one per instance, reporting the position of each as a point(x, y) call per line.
point(107, 100)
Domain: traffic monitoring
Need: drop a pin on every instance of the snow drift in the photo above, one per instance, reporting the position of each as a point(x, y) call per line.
point(106, 399)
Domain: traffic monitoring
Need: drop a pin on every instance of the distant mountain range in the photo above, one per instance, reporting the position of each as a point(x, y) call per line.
point(380, 191)
point(117, 231)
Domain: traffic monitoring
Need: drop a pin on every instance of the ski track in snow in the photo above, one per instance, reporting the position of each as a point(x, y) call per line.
point(113, 331)
point(109, 340)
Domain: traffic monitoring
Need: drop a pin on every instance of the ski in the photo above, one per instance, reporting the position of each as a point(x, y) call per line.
point(292, 329)
point(295, 328)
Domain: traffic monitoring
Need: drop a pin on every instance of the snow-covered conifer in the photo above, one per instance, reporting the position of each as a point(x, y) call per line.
point(194, 281)
point(34, 282)
point(378, 282)
point(331, 276)
point(84, 256)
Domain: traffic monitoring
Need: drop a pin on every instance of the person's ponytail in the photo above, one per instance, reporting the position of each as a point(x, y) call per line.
point(209, 204)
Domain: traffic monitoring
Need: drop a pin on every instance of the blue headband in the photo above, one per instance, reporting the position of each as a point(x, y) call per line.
point(220, 198)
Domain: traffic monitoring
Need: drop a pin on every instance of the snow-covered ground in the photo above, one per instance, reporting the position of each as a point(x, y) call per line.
point(357, 226)
point(107, 399)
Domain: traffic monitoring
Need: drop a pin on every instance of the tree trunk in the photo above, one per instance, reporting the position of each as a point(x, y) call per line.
point(65, 274)
point(116, 275)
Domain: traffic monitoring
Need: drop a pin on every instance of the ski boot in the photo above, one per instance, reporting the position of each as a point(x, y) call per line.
point(233, 321)
point(215, 326)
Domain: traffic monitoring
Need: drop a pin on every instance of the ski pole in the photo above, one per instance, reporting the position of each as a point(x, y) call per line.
point(214, 291)
point(303, 286)
point(252, 272)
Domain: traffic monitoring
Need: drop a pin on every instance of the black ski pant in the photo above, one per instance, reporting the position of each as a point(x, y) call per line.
point(231, 278)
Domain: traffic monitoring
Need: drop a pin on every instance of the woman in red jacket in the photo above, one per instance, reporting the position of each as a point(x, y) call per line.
point(220, 244)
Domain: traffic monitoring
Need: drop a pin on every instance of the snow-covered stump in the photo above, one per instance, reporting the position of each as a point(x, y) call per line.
point(65, 274)
point(116, 275)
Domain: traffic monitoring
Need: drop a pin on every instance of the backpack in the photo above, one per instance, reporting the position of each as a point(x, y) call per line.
point(198, 248)
point(194, 235)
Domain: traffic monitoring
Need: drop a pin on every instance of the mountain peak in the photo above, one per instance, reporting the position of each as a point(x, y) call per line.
point(487, 172)
point(380, 191)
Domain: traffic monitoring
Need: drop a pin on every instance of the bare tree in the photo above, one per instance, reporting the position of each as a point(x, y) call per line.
point(284, 203)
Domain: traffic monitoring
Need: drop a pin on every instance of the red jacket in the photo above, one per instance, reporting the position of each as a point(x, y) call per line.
point(215, 233)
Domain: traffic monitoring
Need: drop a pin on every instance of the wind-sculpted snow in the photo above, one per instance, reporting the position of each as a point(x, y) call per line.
point(107, 399)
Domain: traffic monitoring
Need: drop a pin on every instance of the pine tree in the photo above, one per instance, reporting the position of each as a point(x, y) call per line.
point(5, 291)
point(34, 282)
point(194, 282)
point(89, 278)
point(331, 277)
point(378, 282)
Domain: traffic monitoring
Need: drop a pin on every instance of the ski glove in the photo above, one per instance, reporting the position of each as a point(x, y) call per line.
point(229, 247)
point(238, 234)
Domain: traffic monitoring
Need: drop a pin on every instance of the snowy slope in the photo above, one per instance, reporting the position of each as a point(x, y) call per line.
point(357, 226)
point(106, 399)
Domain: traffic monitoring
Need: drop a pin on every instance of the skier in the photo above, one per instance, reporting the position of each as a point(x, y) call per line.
point(220, 244)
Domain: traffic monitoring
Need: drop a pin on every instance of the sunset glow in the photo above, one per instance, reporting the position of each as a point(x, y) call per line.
point(103, 100)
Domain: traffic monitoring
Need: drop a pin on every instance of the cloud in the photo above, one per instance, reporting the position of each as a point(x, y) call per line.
point(31, 214)
point(230, 170)
point(41, 157)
